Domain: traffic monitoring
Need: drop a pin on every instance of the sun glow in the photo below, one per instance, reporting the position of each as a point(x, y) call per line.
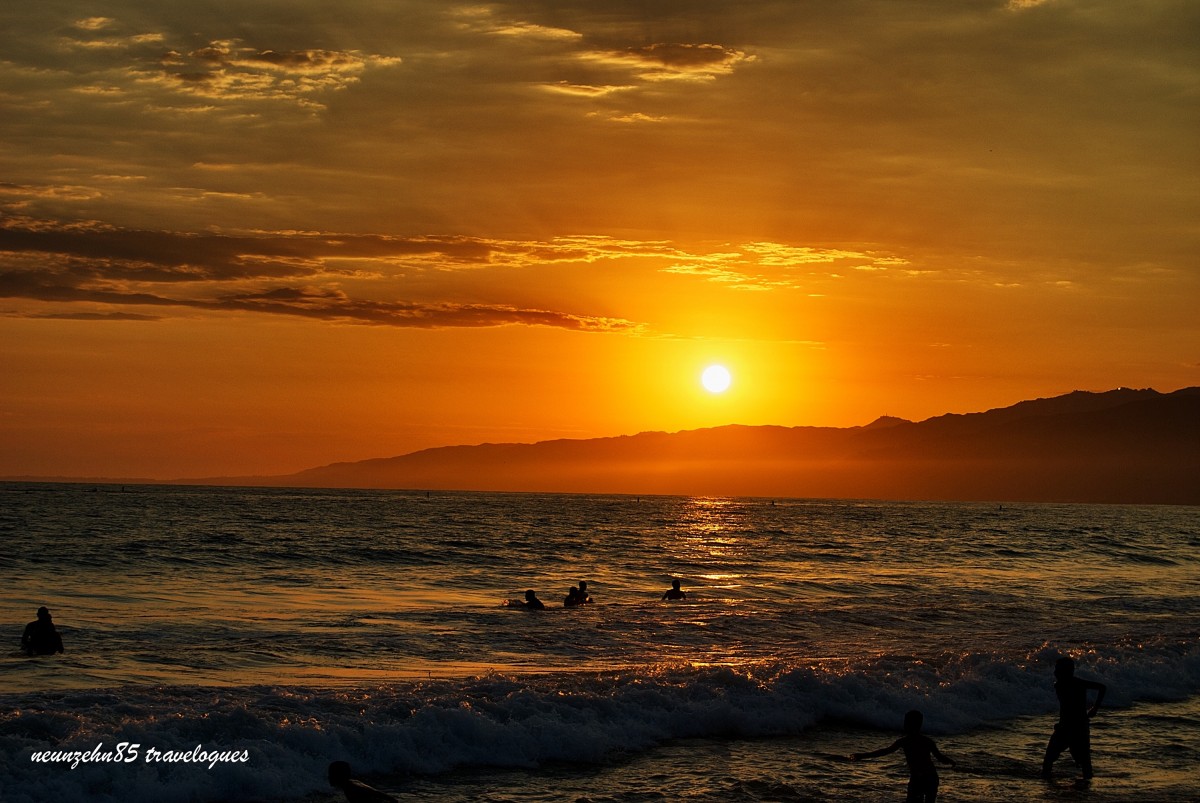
point(716, 379)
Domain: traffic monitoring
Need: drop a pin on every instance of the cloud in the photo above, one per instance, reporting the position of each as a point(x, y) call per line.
point(328, 306)
point(670, 61)
point(303, 302)
point(359, 278)
point(106, 265)
point(93, 316)
point(228, 70)
point(765, 265)
point(585, 90)
point(777, 255)
point(93, 23)
point(483, 19)
point(18, 196)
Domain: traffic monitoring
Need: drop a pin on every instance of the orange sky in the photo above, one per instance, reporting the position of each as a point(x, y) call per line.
point(255, 237)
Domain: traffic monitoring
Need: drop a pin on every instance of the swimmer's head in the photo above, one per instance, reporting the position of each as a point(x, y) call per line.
point(913, 721)
point(339, 773)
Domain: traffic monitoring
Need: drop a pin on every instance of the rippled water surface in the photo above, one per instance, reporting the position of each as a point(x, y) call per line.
point(370, 626)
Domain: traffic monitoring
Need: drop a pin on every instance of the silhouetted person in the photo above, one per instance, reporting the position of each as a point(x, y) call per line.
point(573, 598)
point(355, 791)
point(675, 592)
point(532, 602)
point(40, 636)
point(919, 752)
point(1072, 731)
point(583, 594)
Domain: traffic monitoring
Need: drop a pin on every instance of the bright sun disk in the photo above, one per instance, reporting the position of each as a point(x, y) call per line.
point(716, 379)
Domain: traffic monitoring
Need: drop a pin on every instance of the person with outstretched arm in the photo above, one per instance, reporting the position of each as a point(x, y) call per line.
point(919, 752)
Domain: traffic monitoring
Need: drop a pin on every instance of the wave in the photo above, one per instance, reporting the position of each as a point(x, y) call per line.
point(290, 734)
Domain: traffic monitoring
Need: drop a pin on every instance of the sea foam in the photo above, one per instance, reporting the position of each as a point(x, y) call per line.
point(524, 721)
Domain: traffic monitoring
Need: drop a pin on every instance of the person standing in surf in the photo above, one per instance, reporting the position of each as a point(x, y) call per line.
point(919, 752)
point(1073, 730)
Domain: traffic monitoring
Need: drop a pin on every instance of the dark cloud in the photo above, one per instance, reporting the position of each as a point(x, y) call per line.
point(333, 307)
point(687, 56)
point(94, 316)
point(111, 266)
point(160, 256)
point(303, 60)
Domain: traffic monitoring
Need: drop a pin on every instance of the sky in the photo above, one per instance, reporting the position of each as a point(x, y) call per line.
point(258, 236)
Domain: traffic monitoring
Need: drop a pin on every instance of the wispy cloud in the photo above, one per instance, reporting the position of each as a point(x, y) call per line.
point(667, 61)
point(307, 274)
point(99, 264)
point(484, 19)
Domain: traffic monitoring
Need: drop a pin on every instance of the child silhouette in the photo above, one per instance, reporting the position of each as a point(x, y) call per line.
point(919, 752)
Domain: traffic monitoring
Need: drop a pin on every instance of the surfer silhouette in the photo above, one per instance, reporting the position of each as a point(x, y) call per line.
point(919, 752)
point(675, 592)
point(573, 598)
point(40, 636)
point(1072, 731)
point(583, 592)
point(355, 791)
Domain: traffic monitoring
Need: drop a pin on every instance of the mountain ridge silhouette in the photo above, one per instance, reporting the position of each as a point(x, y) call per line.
point(1123, 446)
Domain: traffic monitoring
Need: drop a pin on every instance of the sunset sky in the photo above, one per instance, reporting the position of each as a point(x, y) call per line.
point(253, 237)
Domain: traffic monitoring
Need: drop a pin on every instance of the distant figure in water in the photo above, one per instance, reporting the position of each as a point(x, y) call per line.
point(573, 598)
point(40, 636)
point(583, 592)
point(1072, 731)
point(919, 752)
point(675, 592)
point(532, 602)
point(355, 791)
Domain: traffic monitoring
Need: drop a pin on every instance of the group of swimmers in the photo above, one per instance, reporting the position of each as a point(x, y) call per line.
point(578, 595)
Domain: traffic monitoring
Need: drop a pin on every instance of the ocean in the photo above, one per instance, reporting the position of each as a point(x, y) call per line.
point(226, 644)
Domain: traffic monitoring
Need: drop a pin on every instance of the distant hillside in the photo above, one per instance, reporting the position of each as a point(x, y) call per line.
point(1122, 446)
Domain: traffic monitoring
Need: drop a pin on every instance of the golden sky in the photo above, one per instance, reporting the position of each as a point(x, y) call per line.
point(253, 237)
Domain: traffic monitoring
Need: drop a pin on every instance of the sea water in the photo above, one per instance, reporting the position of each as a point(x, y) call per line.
point(226, 644)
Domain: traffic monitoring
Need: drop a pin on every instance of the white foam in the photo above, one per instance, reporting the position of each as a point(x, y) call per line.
point(434, 727)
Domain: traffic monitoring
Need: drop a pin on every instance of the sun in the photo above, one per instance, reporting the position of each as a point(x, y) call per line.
point(716, 379)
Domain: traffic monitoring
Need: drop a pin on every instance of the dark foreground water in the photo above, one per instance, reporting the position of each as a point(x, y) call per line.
point(278, 630)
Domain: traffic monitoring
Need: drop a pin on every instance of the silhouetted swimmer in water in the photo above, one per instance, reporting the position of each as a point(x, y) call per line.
point(919, 752)
point(532, 602)
point(573, 598)
point(675, 592)
point(583, 592)
point(1072, 731)
point(40, 636)
point(355, 791)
